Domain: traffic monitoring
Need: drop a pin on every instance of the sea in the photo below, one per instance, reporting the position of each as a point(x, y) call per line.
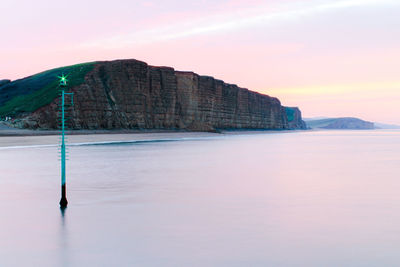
point(301, 198)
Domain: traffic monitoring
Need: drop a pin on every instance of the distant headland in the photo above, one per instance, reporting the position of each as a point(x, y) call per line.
point(347, 123)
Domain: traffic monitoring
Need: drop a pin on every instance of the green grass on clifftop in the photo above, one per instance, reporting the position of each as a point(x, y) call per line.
point(289, 113)
point(30, 93)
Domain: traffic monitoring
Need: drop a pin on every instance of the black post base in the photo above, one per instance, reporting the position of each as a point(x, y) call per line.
point(63, 203)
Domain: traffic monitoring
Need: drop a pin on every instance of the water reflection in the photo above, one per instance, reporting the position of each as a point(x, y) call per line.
point(63, 210)
point(63, 259)
point(298, 199)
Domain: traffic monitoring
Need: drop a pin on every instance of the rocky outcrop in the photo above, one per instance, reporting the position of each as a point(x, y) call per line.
point(131, 94)
point(295, 120)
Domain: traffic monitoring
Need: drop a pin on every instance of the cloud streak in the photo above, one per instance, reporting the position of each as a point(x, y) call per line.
point(261, 15)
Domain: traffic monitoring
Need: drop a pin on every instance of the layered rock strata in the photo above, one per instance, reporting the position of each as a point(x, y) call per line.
point(129, 94)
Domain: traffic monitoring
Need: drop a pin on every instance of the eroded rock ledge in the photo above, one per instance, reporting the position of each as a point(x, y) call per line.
point(131, 94)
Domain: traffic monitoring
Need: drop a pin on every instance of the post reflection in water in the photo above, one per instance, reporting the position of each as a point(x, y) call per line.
point(64, 258)
point(63, 210)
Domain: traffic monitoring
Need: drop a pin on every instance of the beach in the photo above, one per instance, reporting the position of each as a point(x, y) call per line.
point(10, 137)
point(93, 138)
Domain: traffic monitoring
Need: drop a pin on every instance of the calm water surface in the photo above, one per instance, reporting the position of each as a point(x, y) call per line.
point(326, 198)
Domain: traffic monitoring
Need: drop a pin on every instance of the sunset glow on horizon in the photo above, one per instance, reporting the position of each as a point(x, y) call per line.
point(331, 58)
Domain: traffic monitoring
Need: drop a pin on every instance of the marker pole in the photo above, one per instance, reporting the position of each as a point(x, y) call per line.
point(63, 201)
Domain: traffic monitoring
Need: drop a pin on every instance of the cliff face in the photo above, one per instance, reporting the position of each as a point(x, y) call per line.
point(132, 94)
point(295, 120)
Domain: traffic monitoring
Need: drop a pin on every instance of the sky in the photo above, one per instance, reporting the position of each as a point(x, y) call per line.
point(331, 58)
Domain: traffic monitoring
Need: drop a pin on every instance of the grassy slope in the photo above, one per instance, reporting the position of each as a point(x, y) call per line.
point(320, 123)
point(33, 92)
point(289, 113)
point(341, 123)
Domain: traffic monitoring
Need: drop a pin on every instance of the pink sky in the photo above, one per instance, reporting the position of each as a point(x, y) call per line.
point(330, 58)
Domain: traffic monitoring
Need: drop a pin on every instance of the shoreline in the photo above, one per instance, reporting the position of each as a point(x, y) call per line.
point(19, 138)
point(26, 139)
point(8, 131)
point(15, 141)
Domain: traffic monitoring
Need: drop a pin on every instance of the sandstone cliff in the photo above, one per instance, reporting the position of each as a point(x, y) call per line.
point(295, 120)
point(131, 94)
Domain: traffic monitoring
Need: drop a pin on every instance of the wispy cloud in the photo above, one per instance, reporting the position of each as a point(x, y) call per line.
point(260, 15)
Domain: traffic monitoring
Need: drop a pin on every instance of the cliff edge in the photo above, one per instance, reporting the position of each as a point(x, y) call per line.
point(129, 94)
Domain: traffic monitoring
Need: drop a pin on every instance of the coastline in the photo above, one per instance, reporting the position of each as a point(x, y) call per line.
point(14, 138)
point(15, 141)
